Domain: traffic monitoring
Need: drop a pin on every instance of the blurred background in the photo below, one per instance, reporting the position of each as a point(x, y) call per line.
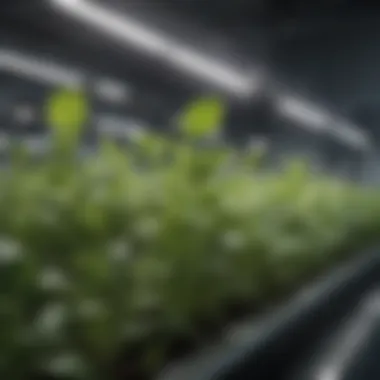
point(300, 77)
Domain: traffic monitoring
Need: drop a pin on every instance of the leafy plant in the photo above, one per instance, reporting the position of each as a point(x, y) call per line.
point(133, 248)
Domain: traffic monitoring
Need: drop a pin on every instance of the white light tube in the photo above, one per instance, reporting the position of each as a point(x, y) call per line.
point(157, 44)
point(41, 71)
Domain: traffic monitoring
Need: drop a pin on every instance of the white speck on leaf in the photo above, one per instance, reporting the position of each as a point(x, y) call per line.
point(147, 228)
point(91, 308)
point(53, 279)
point(66, 365)
point(234, 240)
point(10, 251)
point(50, 321)
point(119, 250)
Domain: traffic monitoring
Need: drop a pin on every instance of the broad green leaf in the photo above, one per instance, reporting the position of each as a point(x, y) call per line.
point(203, 117)
point(67, 113)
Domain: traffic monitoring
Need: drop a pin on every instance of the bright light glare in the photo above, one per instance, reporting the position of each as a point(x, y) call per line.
point(42, 71)
point(157, 44)
point(328, 374)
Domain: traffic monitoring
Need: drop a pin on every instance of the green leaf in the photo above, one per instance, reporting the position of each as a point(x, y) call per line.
point(67, 112)
point(202, 118)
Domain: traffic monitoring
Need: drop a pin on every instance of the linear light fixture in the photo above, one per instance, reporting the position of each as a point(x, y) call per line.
point(351, 135)
point(303, 112)
point(48, 72)
point(39, 70)
point(312, 117)
point(156, 44)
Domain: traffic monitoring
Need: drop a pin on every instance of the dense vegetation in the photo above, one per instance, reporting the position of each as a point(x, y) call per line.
point(135, 248)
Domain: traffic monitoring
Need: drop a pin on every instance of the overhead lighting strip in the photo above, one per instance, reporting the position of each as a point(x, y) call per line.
point(311, 117)
point(351, 135)
point(157, 44)
point(50, 73)
point(37, 70)
point(308, 115)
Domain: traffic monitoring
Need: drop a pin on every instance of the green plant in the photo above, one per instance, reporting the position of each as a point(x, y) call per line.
point(131, 248)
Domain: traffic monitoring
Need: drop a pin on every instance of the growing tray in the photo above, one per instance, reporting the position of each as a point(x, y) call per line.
point(351, 351)
point(273, 345)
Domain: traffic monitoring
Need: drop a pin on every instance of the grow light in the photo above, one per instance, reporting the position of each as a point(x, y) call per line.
point(157, 44)
point(47, 72)
point(38, 70)
point(311, 117)
point(351, 135)
point(307, 114)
